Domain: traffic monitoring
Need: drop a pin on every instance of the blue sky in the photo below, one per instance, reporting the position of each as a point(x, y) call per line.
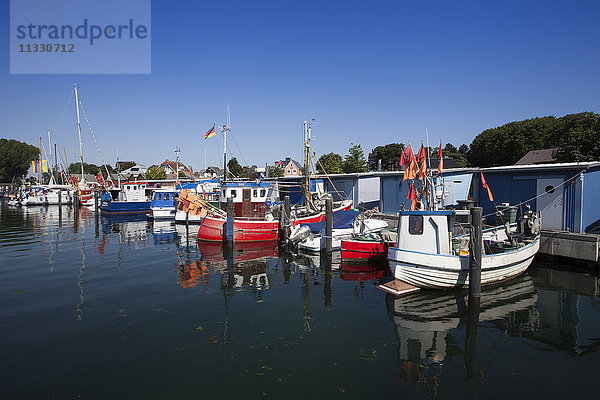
point(370, 73)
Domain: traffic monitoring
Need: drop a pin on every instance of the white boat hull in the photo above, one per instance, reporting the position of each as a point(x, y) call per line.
point(438, 271)
point(162, 212)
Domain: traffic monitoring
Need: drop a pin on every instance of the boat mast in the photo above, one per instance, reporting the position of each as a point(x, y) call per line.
point(225, 129)
point(41, 162)
point(79, 132)
point(177, 164)
point(307, 139)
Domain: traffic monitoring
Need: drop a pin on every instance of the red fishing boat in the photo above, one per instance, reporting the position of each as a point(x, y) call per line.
point(356, 250)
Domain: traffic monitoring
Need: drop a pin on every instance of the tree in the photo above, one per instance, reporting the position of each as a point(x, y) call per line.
point(330, 164)
point(573, 134)
point(355, 160)
point(274, 172)
point(389, 156)
point(155, 172)
point(234, 167)
point(15, 159)
point(123, 165)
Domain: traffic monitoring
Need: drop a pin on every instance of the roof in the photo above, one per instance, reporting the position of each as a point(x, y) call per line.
point(296, 163)
point(543, 156)
point(173, 165)
point(449, 163)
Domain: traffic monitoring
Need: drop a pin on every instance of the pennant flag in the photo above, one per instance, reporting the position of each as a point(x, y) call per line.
point(485, 185)
point(413, 170)
point(44, 166)
point(211, 132)
point(423, 170)
point(33, 166)
point(412, 193)
point(421, 154)
point(409, 156)
point(402, 160)
point(100, 179)
point(441, 159)
point(406, 173)
point(413, 205)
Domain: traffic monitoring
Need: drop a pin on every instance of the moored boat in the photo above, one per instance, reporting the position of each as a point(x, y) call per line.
point(130, 198)
point(427, 255)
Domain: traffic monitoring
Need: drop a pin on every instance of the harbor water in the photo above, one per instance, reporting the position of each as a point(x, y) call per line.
point(97, 308)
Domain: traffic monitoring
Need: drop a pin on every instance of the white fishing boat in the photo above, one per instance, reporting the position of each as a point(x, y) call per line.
point(428, 255)
point(346, 224)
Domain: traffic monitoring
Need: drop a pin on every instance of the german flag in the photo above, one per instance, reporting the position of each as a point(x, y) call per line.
point(211, 132)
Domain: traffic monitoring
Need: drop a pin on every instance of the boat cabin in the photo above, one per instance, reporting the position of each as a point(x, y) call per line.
point(129, 192)
point(164, 198)
point(426, 231)
point(249, 198)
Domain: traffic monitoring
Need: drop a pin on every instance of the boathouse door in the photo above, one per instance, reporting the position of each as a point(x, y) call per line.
point(551, 203)
point(246, 203)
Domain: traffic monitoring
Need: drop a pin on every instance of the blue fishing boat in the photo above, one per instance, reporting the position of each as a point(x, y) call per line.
point(130, 198)
point(163, 203)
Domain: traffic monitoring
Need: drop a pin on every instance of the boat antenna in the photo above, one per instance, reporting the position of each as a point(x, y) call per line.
point(307, 139)
point(79, 131)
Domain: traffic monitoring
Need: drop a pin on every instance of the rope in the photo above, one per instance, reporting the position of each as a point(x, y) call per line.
point(538, 196)
point(329, 179)
point(97, 147)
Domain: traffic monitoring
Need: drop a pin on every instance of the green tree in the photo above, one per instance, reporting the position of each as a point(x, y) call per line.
point(355, 160)
point(330, 164)
point(123, 165)
point(389, 156)
point(275, 172)
point(573, 134)
point(155, 172)
point(15, 159)
point(234, 167)
point(75, 168)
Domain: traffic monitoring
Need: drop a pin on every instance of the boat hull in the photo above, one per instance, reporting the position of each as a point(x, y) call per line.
point(125, 207)
point(214, 230)
point(162, 212)
point(438, 271)
point(365, 251)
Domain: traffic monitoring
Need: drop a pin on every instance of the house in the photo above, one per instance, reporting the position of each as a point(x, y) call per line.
point(211, 172)
point(290, 167)
point(136, 172)
point(538, 157)
point(171, 167)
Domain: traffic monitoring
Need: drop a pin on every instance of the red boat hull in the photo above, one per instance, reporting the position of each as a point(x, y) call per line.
point(362, 250)
point(249, 230)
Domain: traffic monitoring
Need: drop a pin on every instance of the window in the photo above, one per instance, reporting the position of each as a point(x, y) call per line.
point(263, 192)
point(415, 224)
point(128, 187)
point(166, 196)
point(234, 193)
point(135, 188)
point(549, 189)
point(255, 193)
point(158, 196)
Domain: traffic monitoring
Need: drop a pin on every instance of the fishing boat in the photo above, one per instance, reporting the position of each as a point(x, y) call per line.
point(428, 255)
point(367, 248)
point(163, 203)
point(346, 224)
point(130, 198)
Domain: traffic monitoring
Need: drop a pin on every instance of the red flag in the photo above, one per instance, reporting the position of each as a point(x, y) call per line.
point(412, 194)
point(421, 154)
point(100, 179)
point(485, 185)
point(440, 158)
point(409, 156)
point(401, 163)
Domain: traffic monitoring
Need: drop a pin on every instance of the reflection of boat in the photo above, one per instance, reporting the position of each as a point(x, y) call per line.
point(422, 320)
point(128, 228)
point(193, 273)
point(427, 256)
point(217, 252)
point(364, 271)
point(163, 231)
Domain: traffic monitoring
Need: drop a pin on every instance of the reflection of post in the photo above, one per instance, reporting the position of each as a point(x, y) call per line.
point(285, 221)
point(328, 278)
point(286, 268)
point(328, 224)
point(75, 220)
point(471, 336)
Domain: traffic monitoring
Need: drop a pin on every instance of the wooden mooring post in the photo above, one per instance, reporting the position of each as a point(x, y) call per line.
point(229, 224)
point(96, 201)
point(285, 220)
point(475, 251)
point(328, 224)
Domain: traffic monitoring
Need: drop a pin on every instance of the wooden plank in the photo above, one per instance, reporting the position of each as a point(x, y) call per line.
point(398, 287)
